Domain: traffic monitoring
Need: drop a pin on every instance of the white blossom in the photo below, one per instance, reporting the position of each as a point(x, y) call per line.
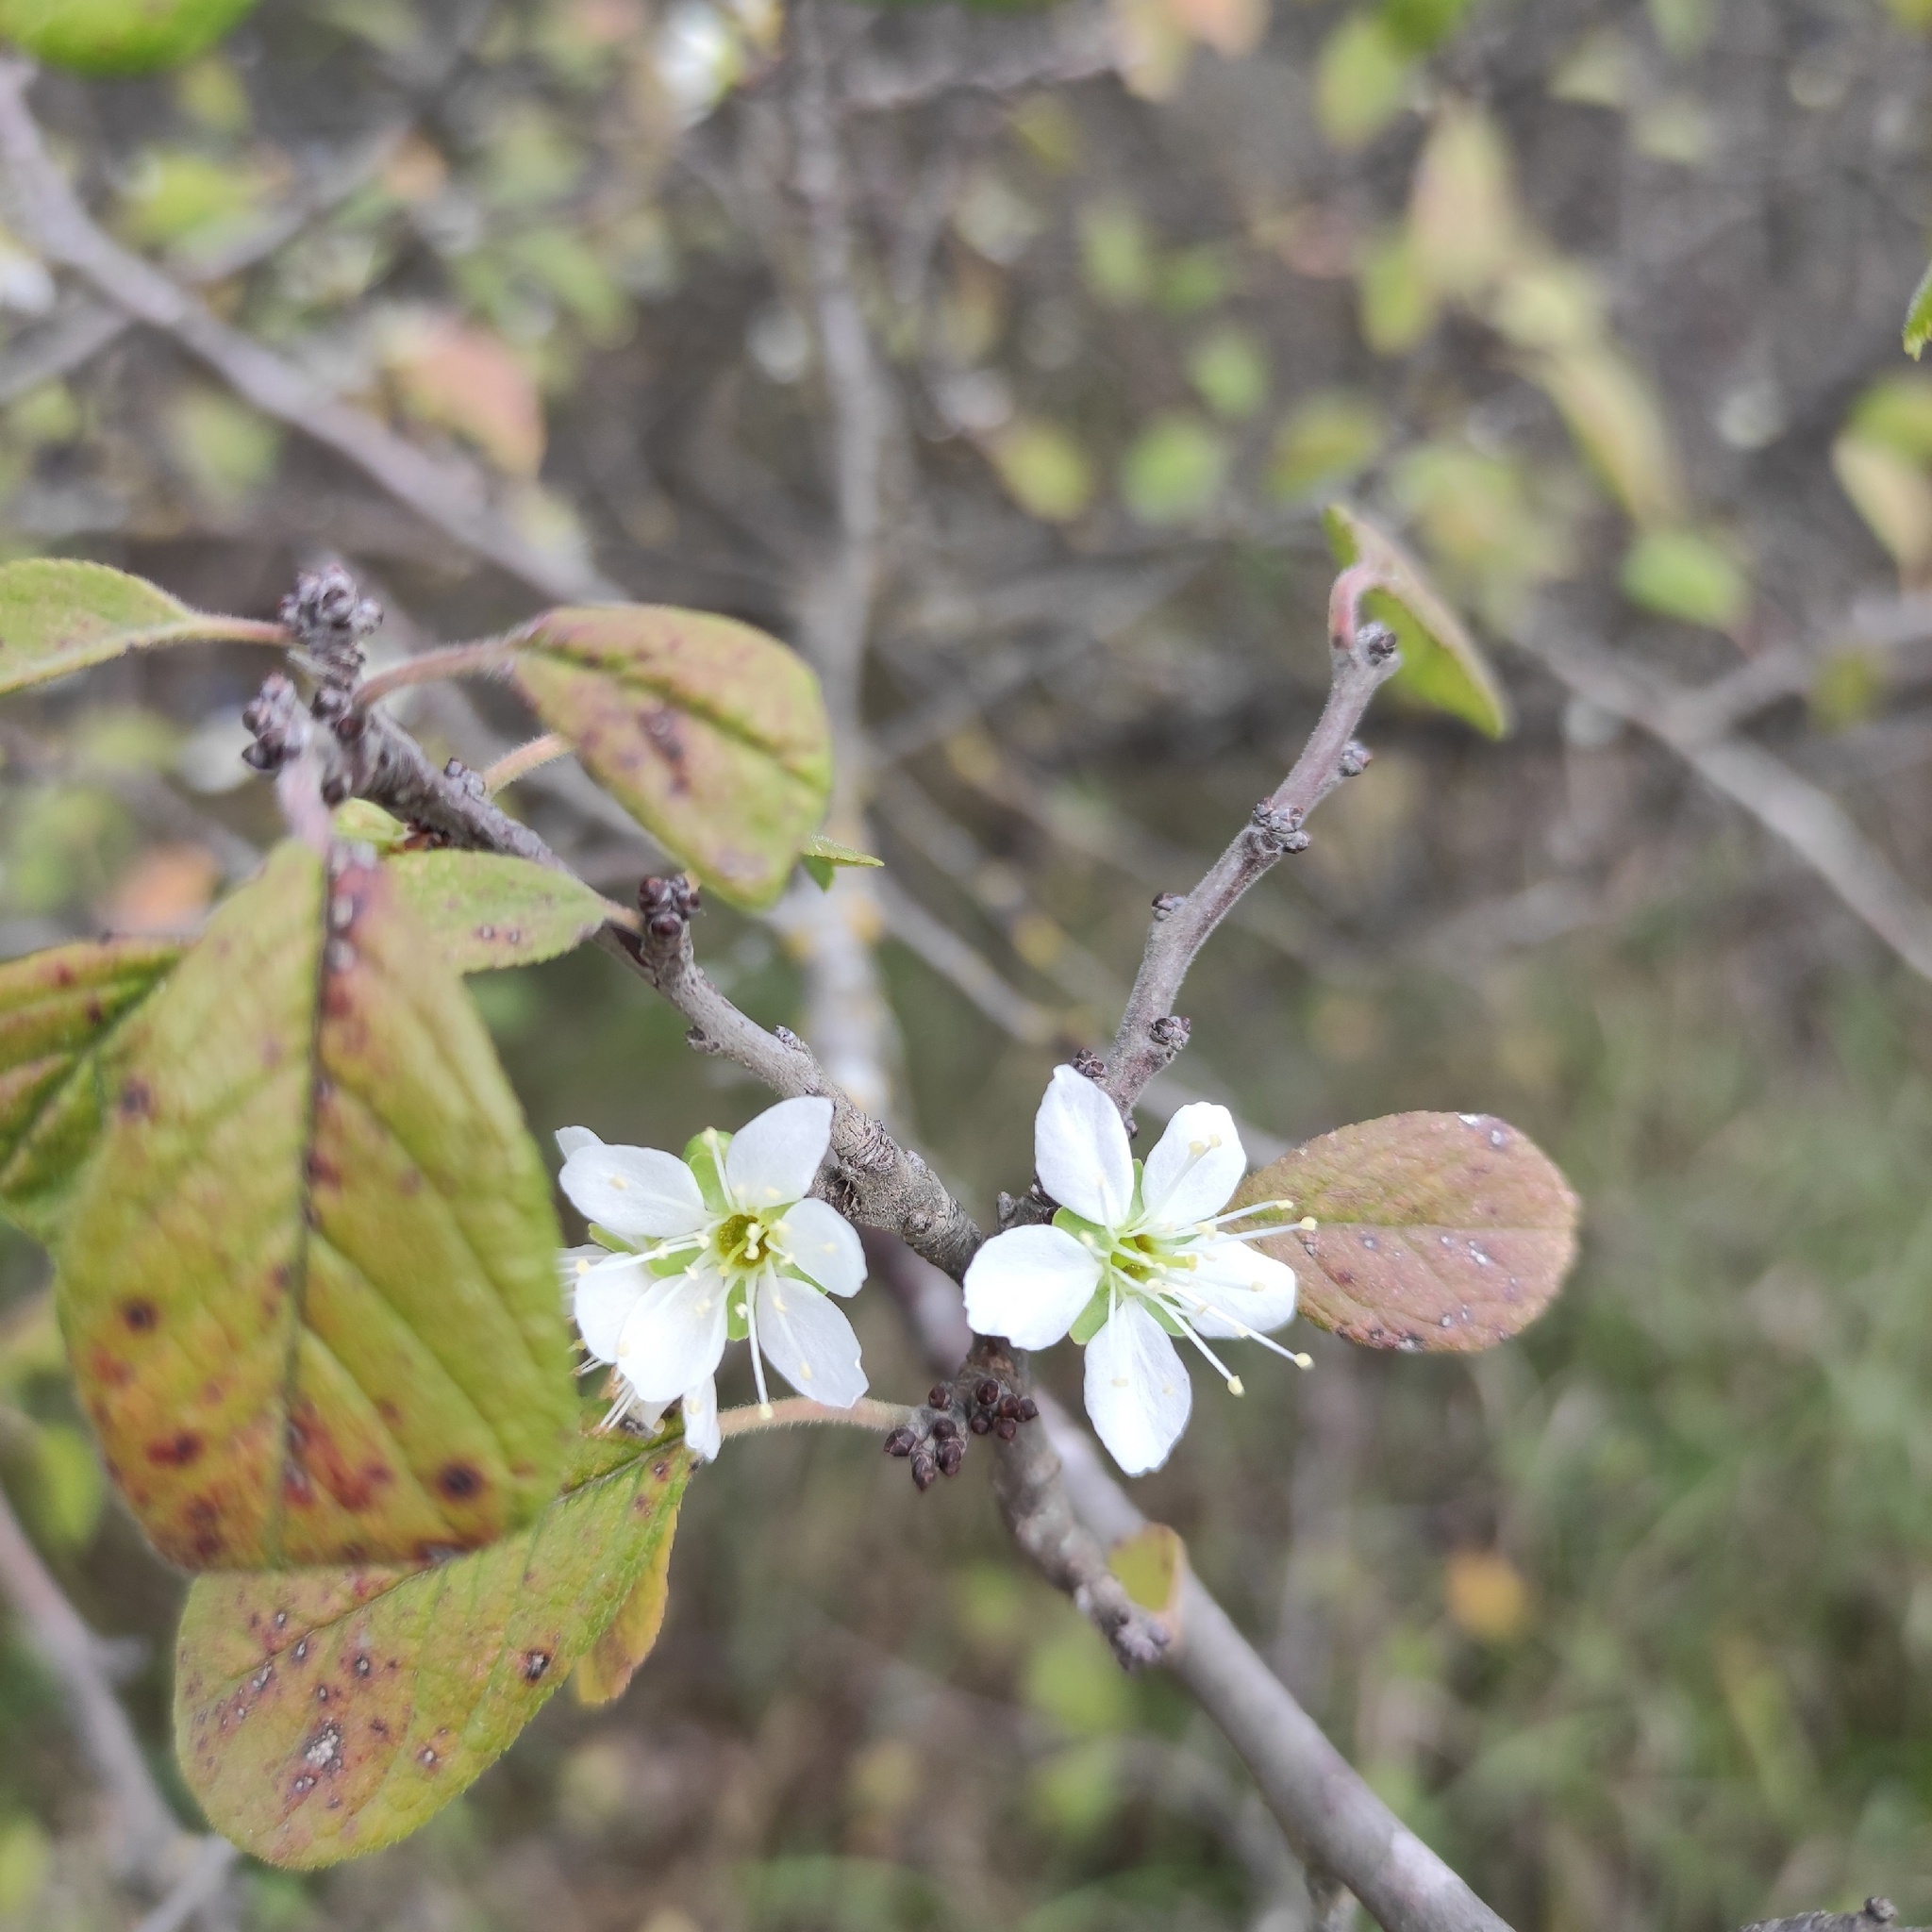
point(721, 1245)
point(1137, 1255)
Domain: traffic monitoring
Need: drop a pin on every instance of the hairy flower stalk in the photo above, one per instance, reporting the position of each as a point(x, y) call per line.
point(720, 1247)
point(1137, 1258)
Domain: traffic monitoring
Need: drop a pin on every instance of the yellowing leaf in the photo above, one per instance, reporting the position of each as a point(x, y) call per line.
point(1152, 1564)
point(322, 1714)
point(58, 1010)
point(1045, 472)
point(1486, 1594)
point(309, 1281)
point(1362, 80)
point(1329, 438)
point(1441, 665)
point(1613, 414)
point(113, 37)
point(1891, 494)
point(1232, 27)
point(1174, 470)
point(1434, 1231)
point(1547, 303)
point(486, 912)
point(604, 1674)
point(1683, 574)
point(451, 375)
point(711, 734)
point(1153, 47)
point(1462, 205)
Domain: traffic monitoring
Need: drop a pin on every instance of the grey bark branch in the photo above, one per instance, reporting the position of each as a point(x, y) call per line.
point(449, 495)
point(1362, 659)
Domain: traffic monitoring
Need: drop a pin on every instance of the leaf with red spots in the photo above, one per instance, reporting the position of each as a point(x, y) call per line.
point(57, 1011)
point(711, 734)
point(1437, 1231)
point(308, 1283)
point(487, 911)
point(323, 1715)
point(59, 615)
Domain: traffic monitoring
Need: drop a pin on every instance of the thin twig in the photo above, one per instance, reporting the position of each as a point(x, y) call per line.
point(1363, 658)
point(197, 1889)
point(146, 1837)
point(451, 495)
point(1806, 818)
point(526, 758)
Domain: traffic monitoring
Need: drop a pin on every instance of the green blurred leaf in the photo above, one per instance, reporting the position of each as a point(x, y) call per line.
point(1229, 371)
point(1435, 1231)
point(69, 1491)
point(1918, 329)
point(1422, 26)
point(1462, 206)
point(1045, 471)
point(1896, 413)
point(1116, 256)
point(58, 616)
point(711, 734)
point(227, 450)
point(1846, 689)
point(308, 1284)
point(822, 856)
point(57, 1011)
point(373, 1696)
point(358, 823)
point(1073, 1679)
point(1891, 493)
point(180, 198)
point(1399, 302)
point(1618, 423)
point(1173, 470)
point(487, 911)
point(1327, 440)
point(27, 1862)
point(1441, 665)
point(115, 37)
point(1684, 575)
point(1362, 79)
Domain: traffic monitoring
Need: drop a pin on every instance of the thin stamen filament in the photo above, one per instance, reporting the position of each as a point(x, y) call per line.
point(751, 1335)
point(1187, 1328)
point(1201, 1305)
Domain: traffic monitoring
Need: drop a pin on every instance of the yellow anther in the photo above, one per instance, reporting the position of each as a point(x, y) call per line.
point(583, 1264)
point(1306, 1224)
point(1234, 1386)
point(765, 1411)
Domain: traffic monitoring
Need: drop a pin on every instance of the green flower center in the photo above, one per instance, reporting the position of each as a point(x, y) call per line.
point(743, 1243)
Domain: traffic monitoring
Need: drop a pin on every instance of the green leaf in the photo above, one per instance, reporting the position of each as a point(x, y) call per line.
point(323, 1715)
point(1327, 438)
point(822, 856)
point(58, 1010)
point(486, 912)
point(58, 616)
point(358, 823)
point(1443, 666)
point(712, 734)
point(1437, 1231)
point(1682, 575)
point(604, 1670)
point(1364, 77)
point(118, 36)
point(308, 1284)
point(1173, 470)
point(1045, 471)
point(1229, 371)
point(1918, 329)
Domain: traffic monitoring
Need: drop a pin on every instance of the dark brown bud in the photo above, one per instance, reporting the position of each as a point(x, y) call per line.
point(944, 1429)
point(952, 1454)
point(1029, 1409)
point(938, 1396)
point(902, 1441)
point(1006, 1428)
point(1167, 904)
point(1009, 1405)
point(1089, 1062)
point(988, 1393)
point(980, 1424)
point(926, 1472)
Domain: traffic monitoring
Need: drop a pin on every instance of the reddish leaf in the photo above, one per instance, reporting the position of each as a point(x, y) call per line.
point(1437, 1231)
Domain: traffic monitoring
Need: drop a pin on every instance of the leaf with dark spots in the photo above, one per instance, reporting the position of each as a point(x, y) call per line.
point(712, 734)
point(332, 1264)
point(1434, 1231)
point(59, 1011)
point(59, 615)
point(322, 1714)
point(487, 911)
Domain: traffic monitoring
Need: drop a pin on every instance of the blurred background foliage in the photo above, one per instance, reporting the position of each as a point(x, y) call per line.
point(1596, 301)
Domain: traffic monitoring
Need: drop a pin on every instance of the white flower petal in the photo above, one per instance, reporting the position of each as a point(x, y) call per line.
point(674, 1337)
point(702, 1436)
point(1138, 1392)
point(810, 1343)
point(775, 1158)
point(826, 1245)
point(1029, 1285)
point(1080, 1150)
point(1252, 1291)
point(575, 1139)
point(605, 1293)
point(639, 1193)
point(1194, 1167)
